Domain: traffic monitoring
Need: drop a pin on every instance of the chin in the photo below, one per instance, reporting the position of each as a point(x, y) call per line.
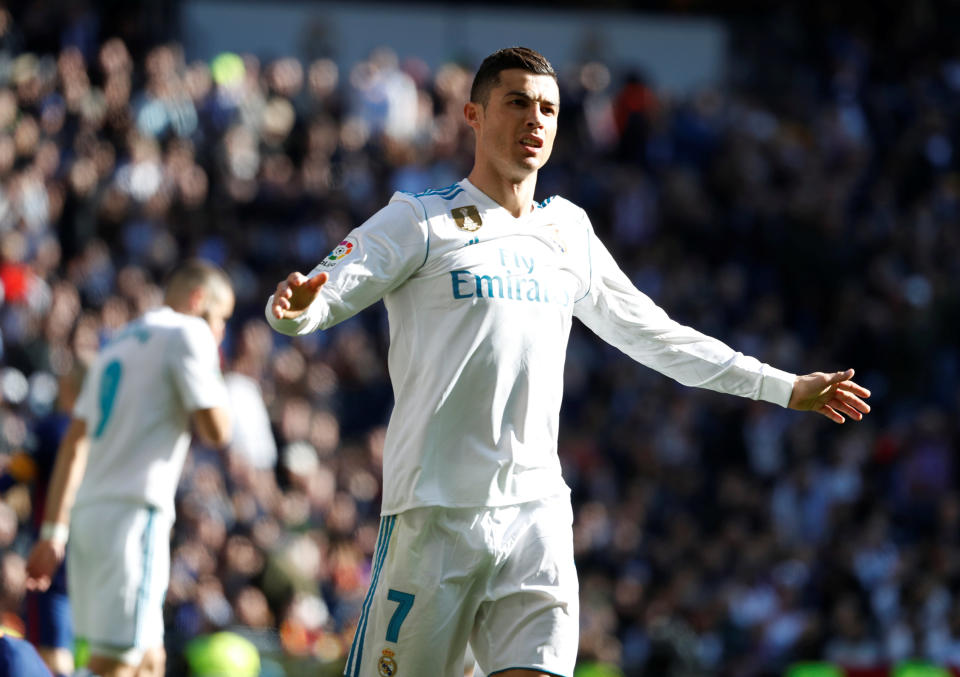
point(531, 164)
point(522, 174)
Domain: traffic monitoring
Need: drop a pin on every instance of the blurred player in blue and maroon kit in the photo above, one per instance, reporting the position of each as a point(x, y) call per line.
point(49, 625)
point(18, 658)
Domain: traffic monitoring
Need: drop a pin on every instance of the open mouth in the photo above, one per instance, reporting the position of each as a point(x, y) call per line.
point(531, 142)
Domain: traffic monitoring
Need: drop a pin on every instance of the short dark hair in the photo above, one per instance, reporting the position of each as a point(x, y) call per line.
point(195, 273)
point(488, 75)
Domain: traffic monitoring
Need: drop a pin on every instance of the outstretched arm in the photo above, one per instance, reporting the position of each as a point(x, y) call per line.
point(626, 318)
point(374, 259)
point(68, 471)
point(831, 395)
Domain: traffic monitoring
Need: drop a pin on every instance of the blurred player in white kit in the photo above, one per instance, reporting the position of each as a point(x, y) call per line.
point(116, 473)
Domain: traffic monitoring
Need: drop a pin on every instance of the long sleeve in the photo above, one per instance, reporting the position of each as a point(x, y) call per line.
point(373, 259)
point(621, 315)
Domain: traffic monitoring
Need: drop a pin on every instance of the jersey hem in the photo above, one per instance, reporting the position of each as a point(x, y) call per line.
point(133, 501)
point(526, 667)
point(475, 506)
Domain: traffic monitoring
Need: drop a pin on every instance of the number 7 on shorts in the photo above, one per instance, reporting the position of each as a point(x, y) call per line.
point(404, 602)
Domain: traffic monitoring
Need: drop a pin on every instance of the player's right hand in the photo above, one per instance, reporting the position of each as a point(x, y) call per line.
point(832, 395)
point(295, 294)
point(45, 558)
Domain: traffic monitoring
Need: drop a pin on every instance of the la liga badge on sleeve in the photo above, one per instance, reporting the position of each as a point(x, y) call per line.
point(341, 251)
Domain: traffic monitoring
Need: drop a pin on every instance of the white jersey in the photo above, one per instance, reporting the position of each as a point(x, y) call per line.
point(480, 305)
point(137, 399)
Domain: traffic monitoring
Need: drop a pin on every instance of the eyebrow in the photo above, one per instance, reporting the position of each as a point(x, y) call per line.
point(525, 95)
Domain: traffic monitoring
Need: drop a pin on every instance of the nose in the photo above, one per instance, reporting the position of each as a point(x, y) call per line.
point(535, 117)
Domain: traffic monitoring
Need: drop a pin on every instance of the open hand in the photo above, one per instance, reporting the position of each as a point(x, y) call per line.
point(295, 294)
point(832, 395)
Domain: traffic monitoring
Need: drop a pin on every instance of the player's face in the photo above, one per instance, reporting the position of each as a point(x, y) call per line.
point(217, 310)
point(516, 128)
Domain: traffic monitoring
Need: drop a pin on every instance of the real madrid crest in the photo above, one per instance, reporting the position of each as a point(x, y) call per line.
point(557, 238)
point(387, 665)
point(467, 218)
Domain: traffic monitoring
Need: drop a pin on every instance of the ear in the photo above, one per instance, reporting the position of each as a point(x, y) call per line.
point(473, 114)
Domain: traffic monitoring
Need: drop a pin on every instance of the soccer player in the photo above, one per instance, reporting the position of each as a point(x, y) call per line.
point(481, 285)
point(117, 469)
point(49, 624)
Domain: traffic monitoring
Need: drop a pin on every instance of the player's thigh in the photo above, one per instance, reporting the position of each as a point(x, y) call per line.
point(104, 666)
point(118, 568)
point(60, 661)
point(154, 663)
point(80, 594)
point(530, 620)
point(419, 610)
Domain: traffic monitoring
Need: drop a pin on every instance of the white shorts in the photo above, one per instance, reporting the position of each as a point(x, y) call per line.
point(501, 578)
point(118, 567)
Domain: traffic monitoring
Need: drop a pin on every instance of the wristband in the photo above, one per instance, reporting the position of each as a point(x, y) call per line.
point(54, 531)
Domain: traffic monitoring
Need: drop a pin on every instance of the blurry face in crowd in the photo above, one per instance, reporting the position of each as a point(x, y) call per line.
point(517, 125)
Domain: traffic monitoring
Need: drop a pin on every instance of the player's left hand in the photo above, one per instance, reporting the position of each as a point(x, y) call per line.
point(832, 395)
point(42, 564)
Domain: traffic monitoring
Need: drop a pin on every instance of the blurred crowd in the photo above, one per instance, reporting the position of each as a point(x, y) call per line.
point(808, 214)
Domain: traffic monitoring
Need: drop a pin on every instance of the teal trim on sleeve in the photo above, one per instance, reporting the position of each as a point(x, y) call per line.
point(426, 224)
point(589, 263)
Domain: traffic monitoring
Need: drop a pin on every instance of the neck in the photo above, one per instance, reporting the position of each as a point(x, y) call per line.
point(177, 307)
point(514, 196)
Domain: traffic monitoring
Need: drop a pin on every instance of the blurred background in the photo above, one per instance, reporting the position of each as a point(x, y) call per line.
point(781, 175)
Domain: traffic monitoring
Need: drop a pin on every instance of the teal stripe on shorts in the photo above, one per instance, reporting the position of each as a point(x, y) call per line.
point(381, 544)
point(143, 594)
point(386, 532)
